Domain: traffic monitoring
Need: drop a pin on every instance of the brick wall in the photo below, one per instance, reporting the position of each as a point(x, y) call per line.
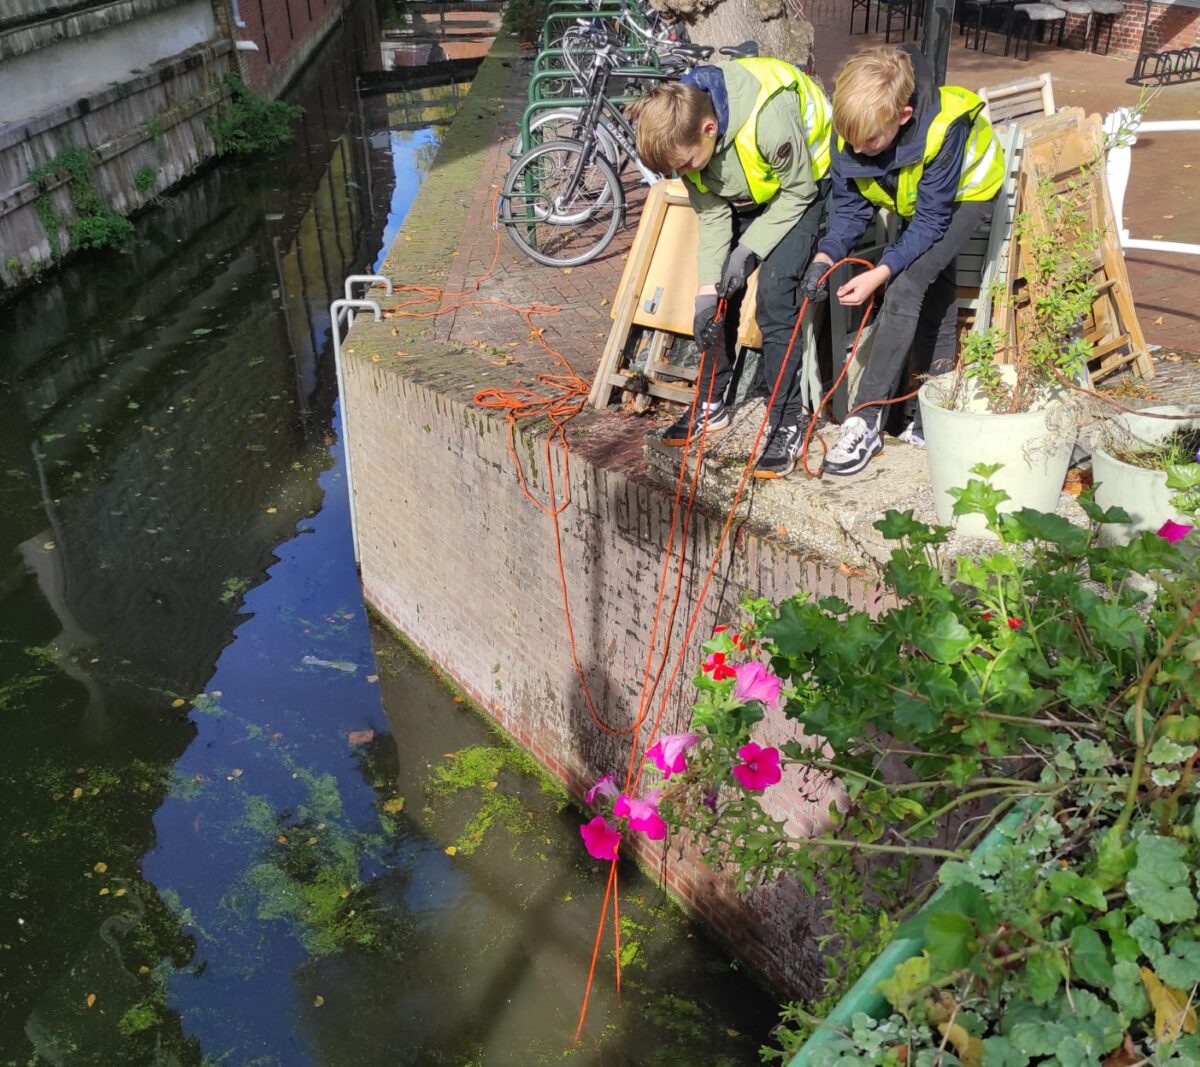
point(456, 557)
point(287, 32)
point(1170, 26)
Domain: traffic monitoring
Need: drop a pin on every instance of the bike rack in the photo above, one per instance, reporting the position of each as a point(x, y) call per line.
point(339, 310)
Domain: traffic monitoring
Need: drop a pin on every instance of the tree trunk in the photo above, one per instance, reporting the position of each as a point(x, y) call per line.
point(779, 26)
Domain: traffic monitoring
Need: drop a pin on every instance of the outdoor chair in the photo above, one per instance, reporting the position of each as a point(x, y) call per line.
point(865, 7)
point(982, 9)
point(1105, 13)
point(895, 9)
point(1034, 14)
point(1075, 7)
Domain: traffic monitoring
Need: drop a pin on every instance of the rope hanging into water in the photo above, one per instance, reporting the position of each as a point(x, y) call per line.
point(559, 399)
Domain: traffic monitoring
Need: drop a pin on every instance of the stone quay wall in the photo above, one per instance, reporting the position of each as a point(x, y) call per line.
point(458, 559)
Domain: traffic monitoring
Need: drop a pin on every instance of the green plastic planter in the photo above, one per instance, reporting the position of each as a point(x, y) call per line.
point(864, 995)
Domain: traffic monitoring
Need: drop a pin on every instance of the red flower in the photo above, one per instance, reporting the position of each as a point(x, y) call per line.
point(717, 667)
point(1015, 624)
point(737, 640)
point(986, 615)
point(719, 630)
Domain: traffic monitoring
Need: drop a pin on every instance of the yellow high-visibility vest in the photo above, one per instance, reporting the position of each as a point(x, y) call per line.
point(775, 76)
point(983, 160)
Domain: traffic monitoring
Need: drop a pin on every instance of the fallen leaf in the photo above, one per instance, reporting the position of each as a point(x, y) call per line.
point(1168, 216)
point(90, 999)
point(104, 891)
point(311, 841)
point(781, 530)
point(458, 700)
point(76, 793)
point(100, 867)
point(318, 1000)
point(143, 969)
point(394, 805)
point(1124, 1055)
point(1172, 1014)
point(568, 270)
point(492, 785)
point(451, 850)
point(235, 773)
point(272, 511)
point(1158, 321)
point(48, 546)
point(449, 755)
point(119, 893)
point(282, 839)
point(360, 737)
point(372, 678)
point(178, 702)
point(1157, 236)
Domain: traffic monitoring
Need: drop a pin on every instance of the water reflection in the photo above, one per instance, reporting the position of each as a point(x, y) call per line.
point(229, 820)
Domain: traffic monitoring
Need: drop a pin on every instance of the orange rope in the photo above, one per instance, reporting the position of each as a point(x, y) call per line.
point(560, 398)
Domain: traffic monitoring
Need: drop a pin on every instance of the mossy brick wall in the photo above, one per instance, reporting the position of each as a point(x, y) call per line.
point(160, 119)
point(459, 560)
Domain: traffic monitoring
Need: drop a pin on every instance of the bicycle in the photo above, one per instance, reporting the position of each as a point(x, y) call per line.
point(563, 201)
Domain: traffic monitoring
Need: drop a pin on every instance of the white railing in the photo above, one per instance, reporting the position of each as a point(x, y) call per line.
point(1117, 170)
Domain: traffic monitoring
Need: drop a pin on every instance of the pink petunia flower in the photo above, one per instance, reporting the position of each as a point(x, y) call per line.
point(604, 787)
point(717, 667)
point(668, 753)
point(600, 839)
point(759, 767)
point(1173, 531)
point(643, 815)
point(755, 682)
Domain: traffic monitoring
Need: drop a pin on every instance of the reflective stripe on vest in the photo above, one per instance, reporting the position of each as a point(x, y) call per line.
point(982, 171)
point(774, 76)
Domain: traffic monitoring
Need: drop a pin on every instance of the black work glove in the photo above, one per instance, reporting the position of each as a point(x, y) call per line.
point(812, 286)
point(738, 267)
point(704, 325)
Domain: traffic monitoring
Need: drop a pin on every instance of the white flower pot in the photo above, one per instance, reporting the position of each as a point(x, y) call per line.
point(1141, 492)
point(1034, 448)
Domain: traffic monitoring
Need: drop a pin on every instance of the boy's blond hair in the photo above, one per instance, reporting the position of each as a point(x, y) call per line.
point(871, 90)
point(668, 120)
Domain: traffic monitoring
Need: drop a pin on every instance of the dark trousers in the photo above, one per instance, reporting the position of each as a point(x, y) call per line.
point(778, 304)
point(920, 308)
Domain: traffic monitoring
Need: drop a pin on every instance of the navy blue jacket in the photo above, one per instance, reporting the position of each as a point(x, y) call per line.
point(852, 212)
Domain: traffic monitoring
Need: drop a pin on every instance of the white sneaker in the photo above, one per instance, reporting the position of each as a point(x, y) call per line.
point(858, 443)
point(913, 435)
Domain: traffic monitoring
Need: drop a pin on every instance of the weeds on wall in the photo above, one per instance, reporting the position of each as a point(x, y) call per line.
point(145, 179)
point(252, 124)
point(94, 226)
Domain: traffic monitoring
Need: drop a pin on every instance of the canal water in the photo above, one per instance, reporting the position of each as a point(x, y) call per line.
point(242, 824)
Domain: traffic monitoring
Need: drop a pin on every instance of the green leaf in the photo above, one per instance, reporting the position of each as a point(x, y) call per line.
point(1114, 859)
point(1052, 528)
point(1085, 890)
point(1089, 958)
point(794, 632)
point(1180, 969)
point(907, 983)
point(1087, 501)
point(978, 498)
point(1160, 883)
point(945, 639)
point(1167, 753)
point(1183, 475)
point(1043, 975)
point(950, 941)
point(999, 1052)
point(1129, 991)
point(1147, 933)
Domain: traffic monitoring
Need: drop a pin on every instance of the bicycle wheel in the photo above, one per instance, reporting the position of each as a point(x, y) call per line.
point(558, 210)
point(563, 124)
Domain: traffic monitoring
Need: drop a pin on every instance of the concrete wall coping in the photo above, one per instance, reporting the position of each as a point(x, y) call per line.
point(24, 32)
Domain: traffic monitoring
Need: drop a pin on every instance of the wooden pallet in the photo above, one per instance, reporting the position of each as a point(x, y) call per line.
point(1063, 149)
point(656, 295)
point(1018, 101)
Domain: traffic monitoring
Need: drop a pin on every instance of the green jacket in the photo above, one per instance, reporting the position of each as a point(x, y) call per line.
point(781, 141)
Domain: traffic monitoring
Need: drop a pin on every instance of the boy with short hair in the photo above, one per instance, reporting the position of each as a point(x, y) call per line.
point(929, 155)
point(752, 139)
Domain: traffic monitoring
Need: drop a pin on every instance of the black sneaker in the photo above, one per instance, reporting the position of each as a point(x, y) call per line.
point(778, 458)
point(858, 443)
point(711, 418)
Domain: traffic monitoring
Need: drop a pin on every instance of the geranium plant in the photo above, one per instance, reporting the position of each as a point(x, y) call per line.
point(1055, 677)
